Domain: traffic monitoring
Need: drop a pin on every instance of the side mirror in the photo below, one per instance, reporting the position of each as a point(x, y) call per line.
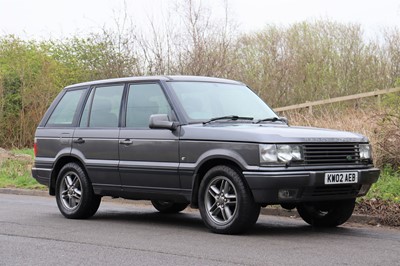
point(161, 121)
point(284, 119)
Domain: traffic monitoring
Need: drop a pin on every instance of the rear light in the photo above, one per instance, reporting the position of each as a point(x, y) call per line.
point(35, 148)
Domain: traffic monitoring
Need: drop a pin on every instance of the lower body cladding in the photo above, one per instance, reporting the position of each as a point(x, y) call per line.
point(42, 175)
point(308, 186)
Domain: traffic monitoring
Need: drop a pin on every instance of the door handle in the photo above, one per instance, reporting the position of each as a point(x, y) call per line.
point(126, 141)
point(79, 141)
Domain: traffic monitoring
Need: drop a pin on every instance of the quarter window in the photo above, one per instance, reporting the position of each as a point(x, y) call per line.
point(64, 113)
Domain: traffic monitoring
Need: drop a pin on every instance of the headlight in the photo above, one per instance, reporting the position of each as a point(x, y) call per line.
point(281, 153)
point(268, 153)
point(365, 151)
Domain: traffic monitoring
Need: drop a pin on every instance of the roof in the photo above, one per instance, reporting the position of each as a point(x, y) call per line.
point(156, 78)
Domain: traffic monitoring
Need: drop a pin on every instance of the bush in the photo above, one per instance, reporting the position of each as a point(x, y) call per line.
point(388, 132)
point(284, 65)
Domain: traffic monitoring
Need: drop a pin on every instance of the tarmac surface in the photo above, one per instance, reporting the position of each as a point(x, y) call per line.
point(33, 232)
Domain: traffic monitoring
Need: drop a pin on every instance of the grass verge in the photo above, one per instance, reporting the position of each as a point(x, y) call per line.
point(388, 186)
point(15, 170)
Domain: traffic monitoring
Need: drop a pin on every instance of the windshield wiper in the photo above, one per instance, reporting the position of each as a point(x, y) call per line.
point(270, 119)
point(229, 117)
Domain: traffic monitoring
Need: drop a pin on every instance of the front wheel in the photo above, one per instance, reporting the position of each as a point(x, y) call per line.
point(168, 206)
point(326, 214)
point(74, 193)
point(225, 202)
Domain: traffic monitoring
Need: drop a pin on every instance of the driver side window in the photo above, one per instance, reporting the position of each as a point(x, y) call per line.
point(145, 100)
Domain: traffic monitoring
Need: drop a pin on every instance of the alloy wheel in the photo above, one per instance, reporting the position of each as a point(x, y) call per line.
point(71, 191)
point(221, 200)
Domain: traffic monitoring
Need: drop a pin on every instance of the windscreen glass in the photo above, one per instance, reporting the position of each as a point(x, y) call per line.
point(203, 101)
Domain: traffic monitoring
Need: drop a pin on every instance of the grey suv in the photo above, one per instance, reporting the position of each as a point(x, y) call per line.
point(211, 143)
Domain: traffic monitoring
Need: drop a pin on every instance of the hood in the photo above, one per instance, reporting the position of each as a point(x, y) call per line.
point(266, 133)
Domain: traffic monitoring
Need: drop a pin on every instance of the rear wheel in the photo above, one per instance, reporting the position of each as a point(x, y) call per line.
point(74, 193)
point(168, 206)
point(225, 202)
point(326, 214)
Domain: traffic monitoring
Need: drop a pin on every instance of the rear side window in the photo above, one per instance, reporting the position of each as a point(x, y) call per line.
point(143, 101)
point(65, 111)
point(103, 107)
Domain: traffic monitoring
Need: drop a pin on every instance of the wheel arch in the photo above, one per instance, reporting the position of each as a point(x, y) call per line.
point(206, 165)
point(63, 160)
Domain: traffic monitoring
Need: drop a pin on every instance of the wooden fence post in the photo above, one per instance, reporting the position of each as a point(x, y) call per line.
point(379, 102)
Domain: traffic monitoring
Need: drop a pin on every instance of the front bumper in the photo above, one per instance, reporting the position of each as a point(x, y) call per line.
point(306, 186)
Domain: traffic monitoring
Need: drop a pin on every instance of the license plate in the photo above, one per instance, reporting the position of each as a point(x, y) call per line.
point(341, 178)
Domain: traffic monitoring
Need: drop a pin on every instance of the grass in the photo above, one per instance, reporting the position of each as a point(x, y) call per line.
point(387, 187)
point(15, 171)
point(23, 151)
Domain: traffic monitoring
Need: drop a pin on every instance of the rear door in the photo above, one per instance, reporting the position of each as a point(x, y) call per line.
point(148, 157)
point(96, 138)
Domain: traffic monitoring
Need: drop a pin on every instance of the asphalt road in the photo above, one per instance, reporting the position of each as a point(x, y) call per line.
point(33, 232)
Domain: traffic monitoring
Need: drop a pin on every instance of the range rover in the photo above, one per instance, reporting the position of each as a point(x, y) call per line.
point(206, 142)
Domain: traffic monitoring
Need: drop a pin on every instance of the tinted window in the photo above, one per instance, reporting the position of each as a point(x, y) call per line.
point(143, 101)
point(103, 107)
point(64, 113)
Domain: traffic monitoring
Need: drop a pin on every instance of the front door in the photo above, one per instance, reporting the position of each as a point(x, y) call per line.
point(148, 157)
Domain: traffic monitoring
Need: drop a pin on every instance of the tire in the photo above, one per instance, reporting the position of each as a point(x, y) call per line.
point(226, 203)
point(168, 206)
point(74, 193)
point(326, 214)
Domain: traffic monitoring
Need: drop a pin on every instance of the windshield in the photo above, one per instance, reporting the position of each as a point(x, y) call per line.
point(203, 101)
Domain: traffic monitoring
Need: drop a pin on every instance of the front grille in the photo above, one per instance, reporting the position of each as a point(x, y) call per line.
point(331, 153)
point(331, 190)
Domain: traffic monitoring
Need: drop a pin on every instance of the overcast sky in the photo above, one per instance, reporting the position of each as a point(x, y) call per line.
point(62, 18)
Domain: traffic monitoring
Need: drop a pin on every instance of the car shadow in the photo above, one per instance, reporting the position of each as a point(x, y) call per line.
point(181, 220)
point(273, 229)
point(192, 221)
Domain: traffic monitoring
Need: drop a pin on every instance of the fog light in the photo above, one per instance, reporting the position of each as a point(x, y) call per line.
point(287, 193)
point(364, 189)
